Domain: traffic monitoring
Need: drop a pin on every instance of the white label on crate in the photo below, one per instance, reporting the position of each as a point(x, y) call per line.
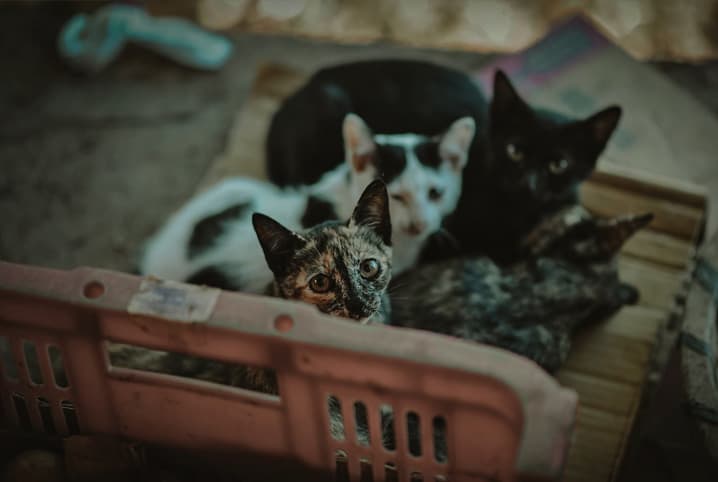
point(172, 300)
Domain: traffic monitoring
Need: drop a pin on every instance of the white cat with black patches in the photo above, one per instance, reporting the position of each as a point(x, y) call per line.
point(211, 240)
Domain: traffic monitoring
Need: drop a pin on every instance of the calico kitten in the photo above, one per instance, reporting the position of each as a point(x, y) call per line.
point(343, 268)
point(531, 308)
point(524, 164)
point(211, 241)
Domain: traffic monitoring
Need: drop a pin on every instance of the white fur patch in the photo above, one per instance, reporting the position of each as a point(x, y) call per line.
point(237, 252)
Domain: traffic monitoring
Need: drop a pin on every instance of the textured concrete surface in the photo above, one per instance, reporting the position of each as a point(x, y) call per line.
point(91, 165)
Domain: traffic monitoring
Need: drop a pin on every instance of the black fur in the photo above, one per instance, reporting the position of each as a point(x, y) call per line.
point(510, 196)
point(317, 211)
point(213, 277)
point(390, 161)
point(206, 232)
point(394, 96)
point(428, 154)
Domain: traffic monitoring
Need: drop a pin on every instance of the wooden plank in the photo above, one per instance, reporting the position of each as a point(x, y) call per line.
point(277, 81)
point(601, 420)
point(650, 184)
point(599, 393)
point(609, 356)
point(660, 248)
point(658, 285)
point(592, 453)
point(680, 220)
point(637, 322)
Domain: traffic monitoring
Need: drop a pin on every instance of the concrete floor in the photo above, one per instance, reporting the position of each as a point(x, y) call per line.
point(91, 165)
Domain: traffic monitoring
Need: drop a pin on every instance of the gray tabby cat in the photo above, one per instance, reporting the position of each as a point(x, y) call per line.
point(531, 308)
point(343, 268)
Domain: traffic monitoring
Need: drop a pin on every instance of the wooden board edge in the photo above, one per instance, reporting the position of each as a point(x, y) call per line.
point(655, 185)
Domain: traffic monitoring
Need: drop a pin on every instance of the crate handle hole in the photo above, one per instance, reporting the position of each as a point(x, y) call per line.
point(440, 444)
point(69, 412)
point(342, 466)
point(283, 323)
point(7, 360)
point(43, 406)
point(93, 290)
point(361, 423)
point(58, 366)
point(365, 470)
point(336, 418)
point(413, 428)
point(390, 472)
point(32, 362)
point(388, 439)
point(21, 411)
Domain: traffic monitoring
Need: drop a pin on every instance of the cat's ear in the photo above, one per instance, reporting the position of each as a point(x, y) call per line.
point(359, 143)
point(505, 97)
point(278, 243)
point(372, 211)
point(603, 238)
point(614, 232)
point(603, 124)
point(455, 143)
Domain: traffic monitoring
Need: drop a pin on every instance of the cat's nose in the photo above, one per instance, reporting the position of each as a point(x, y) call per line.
point(416, 228)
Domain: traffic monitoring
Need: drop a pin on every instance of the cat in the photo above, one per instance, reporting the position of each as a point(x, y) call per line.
point(524, 163)
point(304, 140)
point(210, 240)
point(343, 268)
point(532, 308)
point(533, 165)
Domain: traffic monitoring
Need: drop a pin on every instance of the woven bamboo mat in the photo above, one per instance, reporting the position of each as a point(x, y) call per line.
point(609, 363)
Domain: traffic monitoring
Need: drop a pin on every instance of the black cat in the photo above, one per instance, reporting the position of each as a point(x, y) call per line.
point(523, 163)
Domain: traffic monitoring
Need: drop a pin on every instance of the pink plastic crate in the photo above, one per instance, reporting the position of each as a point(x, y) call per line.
point(505, 418)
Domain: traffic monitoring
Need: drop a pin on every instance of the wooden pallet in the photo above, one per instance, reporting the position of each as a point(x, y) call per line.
point(609, 362)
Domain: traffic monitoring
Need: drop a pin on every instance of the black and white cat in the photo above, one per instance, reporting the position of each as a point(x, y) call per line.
point(211, 239)
point(524, 163)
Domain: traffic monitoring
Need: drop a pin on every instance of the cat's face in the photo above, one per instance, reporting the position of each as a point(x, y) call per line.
point(594, 241)
point(342, 268)
point(422, 174)
point(535, 159)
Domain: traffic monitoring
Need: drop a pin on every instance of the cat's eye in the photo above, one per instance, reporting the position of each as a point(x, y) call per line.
point(369, 268)
point(435, 193)
point(514, 153)
point(558, 166)
point(320, 283)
